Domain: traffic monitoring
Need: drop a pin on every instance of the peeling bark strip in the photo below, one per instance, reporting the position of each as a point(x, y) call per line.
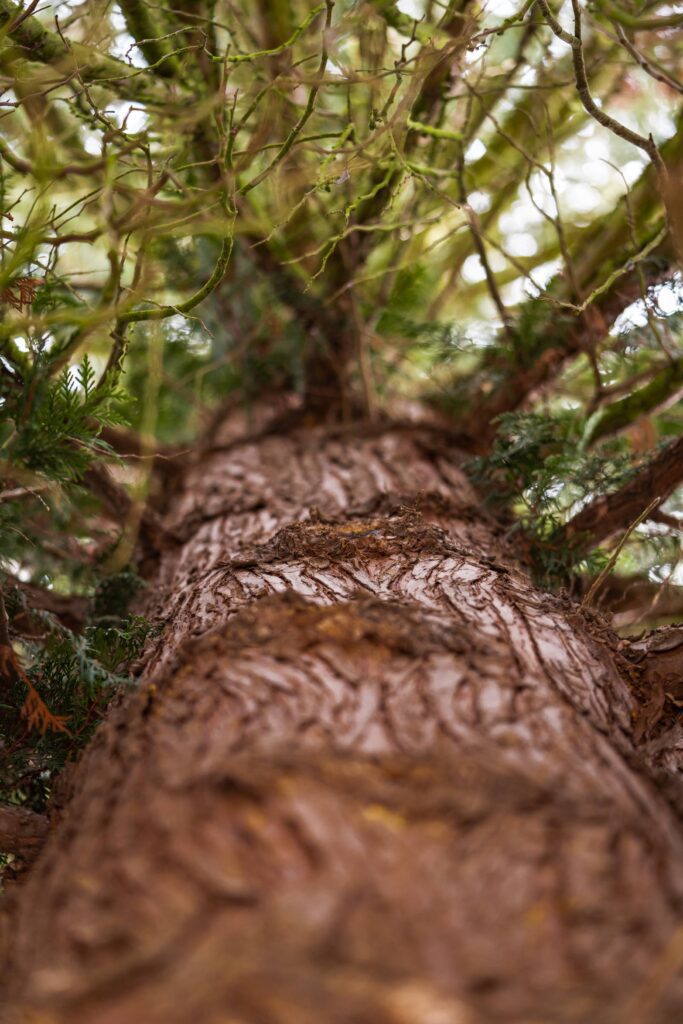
point(370, 775)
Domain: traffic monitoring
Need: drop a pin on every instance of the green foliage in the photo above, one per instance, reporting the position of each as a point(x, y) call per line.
point(55, 295)
point(113, 595)
point(402, 318)
point(53, 426)
point(537, 464)
point(209, 358)
point(433, 349)
point(403, 315)
point(76, 674)
point(74, 670)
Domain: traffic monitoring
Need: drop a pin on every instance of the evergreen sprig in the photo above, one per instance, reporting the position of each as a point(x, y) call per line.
point(53, 426)
point(538, 467)
point(76, 675)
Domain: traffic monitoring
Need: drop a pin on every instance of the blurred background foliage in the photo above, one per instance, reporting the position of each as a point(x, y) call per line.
point(359, 204)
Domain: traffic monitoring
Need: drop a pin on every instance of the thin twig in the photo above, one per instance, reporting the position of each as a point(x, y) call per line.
point(597, 583)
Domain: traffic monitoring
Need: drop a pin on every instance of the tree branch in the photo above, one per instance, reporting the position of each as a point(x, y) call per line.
point(45, 47)
point(610, 513)
point(151, 43)
point(639, 600)
point(70, 609)
point(655, 393)
point(561, 336)
point(590, 106)
point(638, 22)
point(308, 110)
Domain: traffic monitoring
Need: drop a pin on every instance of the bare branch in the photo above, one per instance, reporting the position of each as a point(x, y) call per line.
point(583, 88)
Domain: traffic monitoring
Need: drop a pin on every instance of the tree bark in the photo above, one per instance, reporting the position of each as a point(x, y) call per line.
point(370, 774)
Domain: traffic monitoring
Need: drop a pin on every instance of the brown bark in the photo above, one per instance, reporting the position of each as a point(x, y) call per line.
point(370, 775)
point(22, 832)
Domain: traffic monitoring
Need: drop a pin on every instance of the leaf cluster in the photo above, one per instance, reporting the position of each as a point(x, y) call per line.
point(76, 673)
point(539, 467)
point(52, 425)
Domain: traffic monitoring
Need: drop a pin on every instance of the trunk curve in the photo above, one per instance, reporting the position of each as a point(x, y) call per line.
point(370, 775)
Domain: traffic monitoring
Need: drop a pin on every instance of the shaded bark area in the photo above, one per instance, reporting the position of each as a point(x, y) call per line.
point(370, 774)
point(22, 832)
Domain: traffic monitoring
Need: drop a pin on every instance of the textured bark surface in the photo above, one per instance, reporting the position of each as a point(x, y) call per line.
point(370, 775)
point(22, 832)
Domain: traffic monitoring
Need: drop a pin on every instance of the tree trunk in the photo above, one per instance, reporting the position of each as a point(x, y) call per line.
point(370, 774)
